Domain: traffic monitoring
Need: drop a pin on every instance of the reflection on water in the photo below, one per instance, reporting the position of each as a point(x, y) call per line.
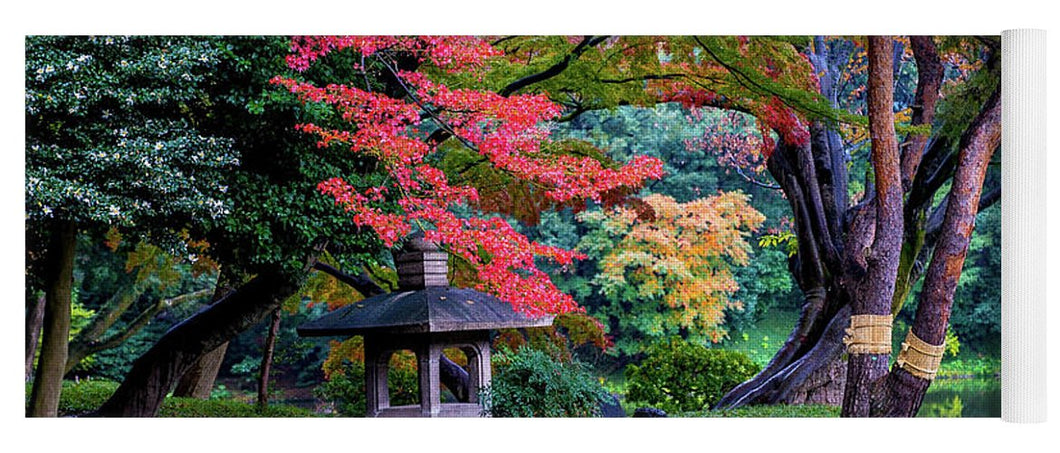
point(980, 397)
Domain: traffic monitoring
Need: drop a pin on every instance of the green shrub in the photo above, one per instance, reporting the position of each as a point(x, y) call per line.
point(530, 383)
point(192, 407)
point(82, 397)
point(678, 376)
point(346, 389)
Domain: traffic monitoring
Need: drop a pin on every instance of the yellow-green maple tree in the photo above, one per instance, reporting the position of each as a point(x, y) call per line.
point(666, 268)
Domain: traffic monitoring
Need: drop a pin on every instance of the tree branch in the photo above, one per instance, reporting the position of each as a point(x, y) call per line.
point(740, 171)
point(87, 346)
point(929, 80)
point(109, 314)
point(748, 82)
point(644, 78)
point(554, 70)
point(362, 282)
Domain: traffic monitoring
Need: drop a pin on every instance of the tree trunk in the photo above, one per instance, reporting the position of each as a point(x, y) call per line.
point(34, 322)
point(155, 373)
point(59, 275)
point(815, 182)
point(809, 377)
point(904, 391)
point(853, 259)
point(875, 289)
point(930, 73)
point(198, 381)
point(823, 386)
point(266, 360)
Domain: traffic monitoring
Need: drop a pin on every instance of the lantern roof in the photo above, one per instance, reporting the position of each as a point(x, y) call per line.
point(424, 303)
point(433, 309)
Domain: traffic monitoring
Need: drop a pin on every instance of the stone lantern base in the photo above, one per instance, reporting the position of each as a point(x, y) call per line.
point(428, 347)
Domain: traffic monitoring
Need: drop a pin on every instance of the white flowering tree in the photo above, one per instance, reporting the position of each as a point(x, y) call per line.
point(111, 143)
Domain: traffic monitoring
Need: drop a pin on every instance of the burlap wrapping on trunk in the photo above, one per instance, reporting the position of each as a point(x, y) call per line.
point(920, 358)
point(869, 334)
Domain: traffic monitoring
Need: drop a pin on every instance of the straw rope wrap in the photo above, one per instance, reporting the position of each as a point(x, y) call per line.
point(920, 358)
point(869, 334)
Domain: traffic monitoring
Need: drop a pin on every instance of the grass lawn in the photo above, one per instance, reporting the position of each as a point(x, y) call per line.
point(778, 411)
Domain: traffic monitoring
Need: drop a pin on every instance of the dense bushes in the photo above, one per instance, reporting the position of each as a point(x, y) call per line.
point(678, 376)
point(530, 383)
point(191, 407)
point(82, 397)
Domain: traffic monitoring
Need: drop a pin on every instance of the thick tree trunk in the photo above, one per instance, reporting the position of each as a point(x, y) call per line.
point(808, 367)
point(824, 385)
point(875, 288)
point(198, 381)
point(854, 258)
point(34, 323)
point(59, 276)
point(266, 360)
point(808, 378)
point(155, 373)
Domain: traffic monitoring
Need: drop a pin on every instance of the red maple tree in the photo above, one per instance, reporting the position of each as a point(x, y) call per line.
point(506, 130)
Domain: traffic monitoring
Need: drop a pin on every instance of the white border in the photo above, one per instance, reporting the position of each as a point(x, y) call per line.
point(1023, 276)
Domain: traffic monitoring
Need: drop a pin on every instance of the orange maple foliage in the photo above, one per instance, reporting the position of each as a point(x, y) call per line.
point(679, 263)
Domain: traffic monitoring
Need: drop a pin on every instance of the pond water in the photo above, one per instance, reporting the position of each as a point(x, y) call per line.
point(978, 397)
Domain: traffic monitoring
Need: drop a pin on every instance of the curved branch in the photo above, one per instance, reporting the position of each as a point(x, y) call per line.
point(109, 313)
point(554, 70)
point(444, 131)
point(749, 82)
point(141, 321)
point(362, 282)
point(751, 179)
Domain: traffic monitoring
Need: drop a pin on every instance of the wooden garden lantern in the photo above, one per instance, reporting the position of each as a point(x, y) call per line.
point(424, 316)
